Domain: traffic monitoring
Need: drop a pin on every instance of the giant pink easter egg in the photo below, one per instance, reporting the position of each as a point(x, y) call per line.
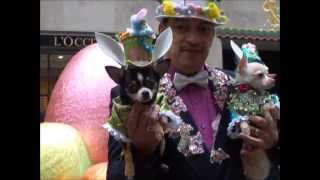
point(81, 98)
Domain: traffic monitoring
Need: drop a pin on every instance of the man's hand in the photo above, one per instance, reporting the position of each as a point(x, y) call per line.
point(263, 135)
point(264, 132)
point(143, 128)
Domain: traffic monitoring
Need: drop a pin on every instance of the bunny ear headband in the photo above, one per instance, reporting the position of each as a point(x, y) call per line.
point(248, 52)
point(138, 39)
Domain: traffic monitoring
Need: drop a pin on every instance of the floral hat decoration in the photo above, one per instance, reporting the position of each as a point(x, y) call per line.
point(137, 45)
point(207, 10)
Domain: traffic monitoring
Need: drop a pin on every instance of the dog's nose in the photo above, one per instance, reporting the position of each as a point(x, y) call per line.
point(145, 95)
point(273, 76)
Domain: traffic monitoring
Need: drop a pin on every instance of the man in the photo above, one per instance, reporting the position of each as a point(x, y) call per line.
point(200, 104)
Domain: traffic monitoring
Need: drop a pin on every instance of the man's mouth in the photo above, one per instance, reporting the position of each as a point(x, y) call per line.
point(191, 50)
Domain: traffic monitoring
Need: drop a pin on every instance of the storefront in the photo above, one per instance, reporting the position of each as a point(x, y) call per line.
point(56, 49)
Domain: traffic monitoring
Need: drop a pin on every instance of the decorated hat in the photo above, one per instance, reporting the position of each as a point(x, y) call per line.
point(251, 53)
point(248, 50)
point(207, 10)
point(136, 45)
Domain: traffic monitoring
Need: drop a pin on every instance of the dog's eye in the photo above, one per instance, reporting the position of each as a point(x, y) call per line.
point(133, 87)
point(260, 75)
point(149, 83)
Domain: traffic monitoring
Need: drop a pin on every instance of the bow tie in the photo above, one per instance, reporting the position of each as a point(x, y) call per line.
point(180, 81)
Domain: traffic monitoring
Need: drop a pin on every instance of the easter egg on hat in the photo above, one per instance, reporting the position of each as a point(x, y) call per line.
point(81, 98)
point(63, 153)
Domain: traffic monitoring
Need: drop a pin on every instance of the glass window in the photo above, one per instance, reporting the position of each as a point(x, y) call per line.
point(51, 66)
point(43, 103)
point(57, 62)
point(44, 85)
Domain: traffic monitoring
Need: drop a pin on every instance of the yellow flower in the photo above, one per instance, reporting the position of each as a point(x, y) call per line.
point(168, 8)
point(214, 11)
point(224, 18)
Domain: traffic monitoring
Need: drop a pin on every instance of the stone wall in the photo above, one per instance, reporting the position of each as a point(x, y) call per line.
point(113, 15)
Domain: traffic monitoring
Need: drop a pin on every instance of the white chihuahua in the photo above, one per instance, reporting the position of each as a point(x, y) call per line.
point(248, 97)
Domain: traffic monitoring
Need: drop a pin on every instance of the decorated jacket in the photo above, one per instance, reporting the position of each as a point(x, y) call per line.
point(186, 164)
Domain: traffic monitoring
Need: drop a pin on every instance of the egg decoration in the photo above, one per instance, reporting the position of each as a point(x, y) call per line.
point(96, 172)
point(63, 153)
point(81, 98)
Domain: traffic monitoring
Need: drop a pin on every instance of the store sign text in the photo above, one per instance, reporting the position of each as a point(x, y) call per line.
point(68, 41)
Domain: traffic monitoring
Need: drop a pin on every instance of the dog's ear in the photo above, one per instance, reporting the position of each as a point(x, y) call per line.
point(115, 73)
point(162, 66)
point(243, 65)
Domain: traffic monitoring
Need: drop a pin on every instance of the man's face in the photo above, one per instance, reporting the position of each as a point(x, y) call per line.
point(192, 39)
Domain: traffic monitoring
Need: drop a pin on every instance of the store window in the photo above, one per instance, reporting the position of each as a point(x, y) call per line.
point(56, 50)
point(51, 66)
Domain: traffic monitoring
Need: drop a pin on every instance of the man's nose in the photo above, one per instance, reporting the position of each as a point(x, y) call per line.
point(193, 37)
